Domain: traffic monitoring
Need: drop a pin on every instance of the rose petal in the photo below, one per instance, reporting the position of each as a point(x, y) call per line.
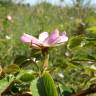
point(63, 38)
point(29, 39)
point(43, 36)
point(60, 40)
point(53, 36)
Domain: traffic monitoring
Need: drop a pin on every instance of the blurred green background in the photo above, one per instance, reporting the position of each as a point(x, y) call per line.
point(76, 60)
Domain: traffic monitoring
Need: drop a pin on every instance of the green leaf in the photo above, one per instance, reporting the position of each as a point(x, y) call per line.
point(34, 88)
point(21, 60)
point(67, 91)
point(91, 32)
point(43, 86)
point(12, 68)
point(4, 83)
point(93, 29)
point(26, 77)
point(48, 85)
point(75, 42)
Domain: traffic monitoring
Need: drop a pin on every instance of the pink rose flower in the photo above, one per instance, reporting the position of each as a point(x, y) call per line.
point(45, 40)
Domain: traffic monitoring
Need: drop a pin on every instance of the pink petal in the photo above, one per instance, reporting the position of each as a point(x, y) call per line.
point(62, 38)
point(53, 37)
point(29, 39)
point(43, 36)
